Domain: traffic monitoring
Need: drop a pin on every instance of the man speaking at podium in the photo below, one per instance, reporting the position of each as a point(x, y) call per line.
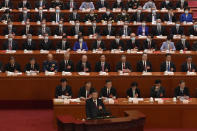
point(95, 108)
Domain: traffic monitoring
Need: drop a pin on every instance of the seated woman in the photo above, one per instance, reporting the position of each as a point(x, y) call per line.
point(133, 91)
point(80, 45)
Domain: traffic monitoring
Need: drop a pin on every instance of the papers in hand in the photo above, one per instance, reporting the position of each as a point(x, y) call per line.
point(66, 73)
point(83, 73)
point(13, 73)
point(48, 73)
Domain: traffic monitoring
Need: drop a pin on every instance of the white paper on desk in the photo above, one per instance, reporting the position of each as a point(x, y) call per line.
point(146, 73)
point(58, 100)
point(162, 37)
point(51, 10)
point(83, 73)
point(102, 10)
point(66, 73)
point(142, 37)
point(110, 37)
point(103, 73)
point(168, 73)
point(44, 51)
point(28, 51)
point(88, 23)
point(48, 73)
point(123, 74)
point(116, 9)
point(10, 51)
point(81, 51)
point(75, 100)
point(191, 73)
point(57, 37)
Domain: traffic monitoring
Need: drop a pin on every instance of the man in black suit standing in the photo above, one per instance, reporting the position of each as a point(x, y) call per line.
point(10, 44)
point(95, 107)
point(32, 66)
point(109, 30)
point(63, 44)
point(177, 29)
point(193, 29)
point(183, 44)
point(29, 44)
point(170, 16)
point(83, 65)
point(168, 65)
point(12, 66)
point(102, 65)
point(149, 43)
point(93, 30)
point(158, 29)
point(60, 29)
point(133, 91)
point(188, 66)
point(66, 65)
point(157, 91)
point(117, 43)
point(123, 65)
point(108, 91)
point(101, 4)
point(181, 90)
point(74, 16)
point(144, 65)
point(133, 43)
point(46, 44)
point(24, 4)
point(63, 90)
point(86, 91)
point(138, 16)
point(98, 44)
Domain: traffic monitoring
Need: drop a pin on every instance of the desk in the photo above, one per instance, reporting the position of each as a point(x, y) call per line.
point(166, 115)
point(41, 87)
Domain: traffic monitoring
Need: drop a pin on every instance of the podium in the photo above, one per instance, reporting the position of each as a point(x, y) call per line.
point(132, 121)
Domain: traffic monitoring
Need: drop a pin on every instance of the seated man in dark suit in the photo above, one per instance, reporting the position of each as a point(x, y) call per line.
point(12, 66)
point(95, 107)
point(44, 29)
point(158, 29)
point(71, 5)
point(6, 16)
point(91, 17)
point(138, 16)
point(27, 29)
point(133, 4)
point(24, 15)
point(133, 91)
point(102, 65)
point(10, 44)
point(56, 3)
point(157, 91)
point(194, 46)
point(182, 4)
point(108, 91)
point(93, 30)
point(193, 29)
point(86, 91)
point(125, 30)
point(123, 16)
point(63, 44)
point(32, 66)
point(63, 90)
point(167, 4)
point(170, 16)
point(144, 65)
point(7, 4)
point(133, 43)
point(183, 44)
point(40, 16)
point(66, 65)
point(118, 4)
point(168, 65)
point(153, 16)
point(83, 65)
point(29, 44)
point(41, 3)
point(74, 16)
point(188, 66)
point(98, 44)
point(123, 65)
point(149, 43)
point(181, 90)
point(24, 4)
point(102, 4)
point(117, 43)
point(50, 64)
point(45, 44)
point(57, 16)
point(1, 67)
point(60, 29)
point(75, 30)
point(10, 29)
point(177, 30)
point(109, 30)
point(107, 16)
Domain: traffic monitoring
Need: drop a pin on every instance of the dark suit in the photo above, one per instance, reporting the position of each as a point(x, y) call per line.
point(23, 18)
point(60, 32)
point(127, 66)
point(178, 4)
point(167, 6)
point(128, 31)
point(80, 67)
point(60, 92)
point(44, 4)
point(6, 18)
point(82, 92)
point(6, 31)
point(103, 92)
point(27, 5)
point(60, 4)
point(137, 18)
point(9, 67)
point(73, 31)
point(92, 111)
point(47, 30)
point(68, 5)
point(115, 45)
point(141, 66)
point(166, 17)
point(50, 66)
point(96, 46)
point(53, 16)
point(46, 45)
point(132, 4)
point(107, 32)
point(133, 44)
point(88, 17)
point(124, 18)
point(178, 92)
point(90, 30)
point(35, 67)
point(65, 47)
point(156, 32)
point(149, 17)
point(147, 46)
point(185, 68)
point(106, 17)
point(157, 94)
point(174, 31)
point(38, 17)
point(179, 45)
point(29, 46)
point(73, 18)
point(192, 31)
point(99, 5)
point(25, 32)
point(13, 47)
point(63, 66)
point(130, 92)
point(98, 66)
point(1, 66)
point(10, 4)
point(116, 5)
point(163, 67)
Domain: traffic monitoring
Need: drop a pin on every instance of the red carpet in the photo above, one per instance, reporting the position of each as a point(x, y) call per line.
point(38, 120)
